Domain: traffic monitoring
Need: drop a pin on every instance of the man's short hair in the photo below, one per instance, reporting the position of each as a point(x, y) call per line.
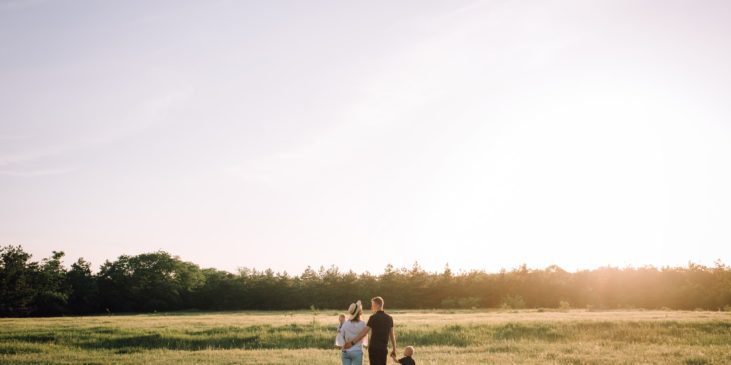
point(378, 301)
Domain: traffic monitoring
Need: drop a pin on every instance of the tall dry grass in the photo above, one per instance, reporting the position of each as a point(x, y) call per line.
point(441, 337)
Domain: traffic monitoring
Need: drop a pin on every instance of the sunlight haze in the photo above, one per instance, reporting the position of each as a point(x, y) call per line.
point(479, 134)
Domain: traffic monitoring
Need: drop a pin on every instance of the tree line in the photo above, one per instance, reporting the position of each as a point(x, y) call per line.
point(159, 281)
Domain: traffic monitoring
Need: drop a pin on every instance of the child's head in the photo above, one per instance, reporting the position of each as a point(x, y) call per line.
point(341, 318)
point(409, 351)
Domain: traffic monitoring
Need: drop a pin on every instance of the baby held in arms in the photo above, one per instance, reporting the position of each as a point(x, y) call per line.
point(339, 341)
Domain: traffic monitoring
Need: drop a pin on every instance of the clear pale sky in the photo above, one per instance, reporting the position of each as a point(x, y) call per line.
point(275, 134)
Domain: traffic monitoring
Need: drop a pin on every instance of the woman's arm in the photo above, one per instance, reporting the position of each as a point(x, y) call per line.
point(357, 339)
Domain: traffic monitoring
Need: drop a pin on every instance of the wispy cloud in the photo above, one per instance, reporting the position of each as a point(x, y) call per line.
point(393, 98)
point(148, 114)
point(19, 4)
point(465, 8)
point(8, 137)
point(9, 159)
point(35, 173)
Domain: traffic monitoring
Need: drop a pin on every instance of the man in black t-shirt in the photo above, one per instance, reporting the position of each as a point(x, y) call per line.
point(381, 326)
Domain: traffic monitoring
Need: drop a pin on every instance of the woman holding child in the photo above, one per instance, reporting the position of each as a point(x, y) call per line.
point(349, 330)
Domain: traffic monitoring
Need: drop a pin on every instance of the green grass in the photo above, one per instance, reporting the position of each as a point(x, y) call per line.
point(440, 337)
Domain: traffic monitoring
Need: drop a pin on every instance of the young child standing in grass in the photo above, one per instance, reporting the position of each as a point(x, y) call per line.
point(407, 359)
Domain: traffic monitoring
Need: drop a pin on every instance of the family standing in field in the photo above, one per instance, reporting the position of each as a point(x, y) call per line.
point(353, 336)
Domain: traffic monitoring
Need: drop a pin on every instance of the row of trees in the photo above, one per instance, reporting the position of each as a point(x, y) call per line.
point(161, 282)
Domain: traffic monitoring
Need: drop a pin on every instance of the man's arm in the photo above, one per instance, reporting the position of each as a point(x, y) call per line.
point(360, 336)
point(392, 335)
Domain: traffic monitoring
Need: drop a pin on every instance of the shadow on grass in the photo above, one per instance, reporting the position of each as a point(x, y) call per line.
point(31, 338)
point(252, 337)
point(158, 341)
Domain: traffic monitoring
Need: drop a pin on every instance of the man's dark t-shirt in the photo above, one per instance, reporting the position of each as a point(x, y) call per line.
point(380, 325)
point(406, 360)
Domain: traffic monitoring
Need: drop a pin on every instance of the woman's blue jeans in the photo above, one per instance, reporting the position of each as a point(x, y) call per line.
point(352, 358)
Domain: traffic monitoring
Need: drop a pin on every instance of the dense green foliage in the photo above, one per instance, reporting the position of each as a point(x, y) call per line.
point(161, 282)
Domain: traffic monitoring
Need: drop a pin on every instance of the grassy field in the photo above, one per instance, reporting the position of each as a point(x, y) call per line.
point(440, 337)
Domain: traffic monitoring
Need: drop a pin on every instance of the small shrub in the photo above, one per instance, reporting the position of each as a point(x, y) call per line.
point(465, 303)
point(469, 302)
point(513, 302)
point(448, 303)
point(564, 305)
